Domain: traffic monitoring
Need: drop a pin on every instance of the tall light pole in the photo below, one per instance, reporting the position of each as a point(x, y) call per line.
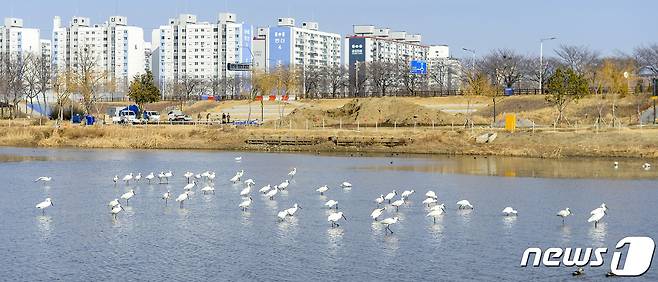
point(541, 62)
point(472, 51)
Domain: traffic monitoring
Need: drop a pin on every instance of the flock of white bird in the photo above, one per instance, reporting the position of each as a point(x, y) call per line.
point(435, 209)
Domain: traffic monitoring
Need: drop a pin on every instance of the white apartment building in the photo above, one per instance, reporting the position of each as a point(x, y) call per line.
point(14, 38)
point(116, 47)
point(372, 44)
point(46, 49)
point(444, 71)
point(148, 52)
point(301, 46)
point(186, 48)
point(260, 48)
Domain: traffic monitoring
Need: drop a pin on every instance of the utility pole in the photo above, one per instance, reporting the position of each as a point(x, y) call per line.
point(356, 78)
point(541, 62)
point(472, 51)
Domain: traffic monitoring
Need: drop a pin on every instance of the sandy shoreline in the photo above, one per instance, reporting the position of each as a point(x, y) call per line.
point(625, 143)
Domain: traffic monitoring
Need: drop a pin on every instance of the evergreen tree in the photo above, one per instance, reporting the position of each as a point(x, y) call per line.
point(143, 90)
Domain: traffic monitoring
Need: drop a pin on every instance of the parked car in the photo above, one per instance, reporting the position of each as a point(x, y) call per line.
point(127, 116)
point(176, 115)
point(151, 116)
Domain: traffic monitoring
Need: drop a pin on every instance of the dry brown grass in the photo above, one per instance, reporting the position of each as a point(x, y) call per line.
point(545, 144)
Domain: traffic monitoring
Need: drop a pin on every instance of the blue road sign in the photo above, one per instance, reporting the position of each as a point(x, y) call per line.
point(418, 67)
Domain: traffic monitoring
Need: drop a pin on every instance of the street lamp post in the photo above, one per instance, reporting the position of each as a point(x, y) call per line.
point(472, 51)
point(541, 62)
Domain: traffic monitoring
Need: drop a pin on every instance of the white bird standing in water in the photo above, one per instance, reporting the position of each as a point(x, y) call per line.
point(397, 204)
point(284, 185)
point(596, 217)
point(509, 211)
point(238, 159)
point(128, 195)
point(322, 189)
point(181, 198)
point(44, 179)
point(115, 210)
point(429, 201)
point(113, 203)
point(379, 200)
point(237, 176)
point(646, 166)
point(377, 212)
point(335, 217)
point(615, 165)
point(464, 204)
point(431, 194)
point(436, 211)
point(272, 193)
point(168, 175)
point(43, 205)
point(249, 182)
point(265, 189)
point(346, 184)
point(208, 189)
point(564, 214)
point(189, 186)
point(245, 204)
point(211, 177)
point(282, 214)
point(407, 193)
point(331, 204)
point(150, 177)
point(161, 176)
point(115, 179)
point(188, 175)
point(602, 208)
point(245, 191)
point(138, 177)
point(390, 221)
point(127, 178)
point(598, 214)
point(390, 196)
point(293, 210)
point(292, 172)
point(166, 196)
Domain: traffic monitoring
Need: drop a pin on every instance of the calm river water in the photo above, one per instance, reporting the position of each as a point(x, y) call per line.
point(212, 239)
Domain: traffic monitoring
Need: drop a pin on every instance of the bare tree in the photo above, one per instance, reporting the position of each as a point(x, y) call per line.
point(504, 66)
point(647, 56)
point(13, 68)
point(61, 88)
point(532, 72)
point(384, 76)
point(215, 85)
point(439, 73)
point(580, 59)
point(311, 78)
point(88, 78)
point(410, 82)
point(334, 79)
point(189, 86)
point(38, 80)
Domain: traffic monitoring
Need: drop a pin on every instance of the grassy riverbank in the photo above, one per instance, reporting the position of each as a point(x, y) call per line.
point(631, 143)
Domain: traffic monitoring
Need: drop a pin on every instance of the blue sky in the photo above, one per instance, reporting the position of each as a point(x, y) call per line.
point(604, 25)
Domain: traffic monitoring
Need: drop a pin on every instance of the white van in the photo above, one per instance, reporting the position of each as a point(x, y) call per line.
point(125, 116)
